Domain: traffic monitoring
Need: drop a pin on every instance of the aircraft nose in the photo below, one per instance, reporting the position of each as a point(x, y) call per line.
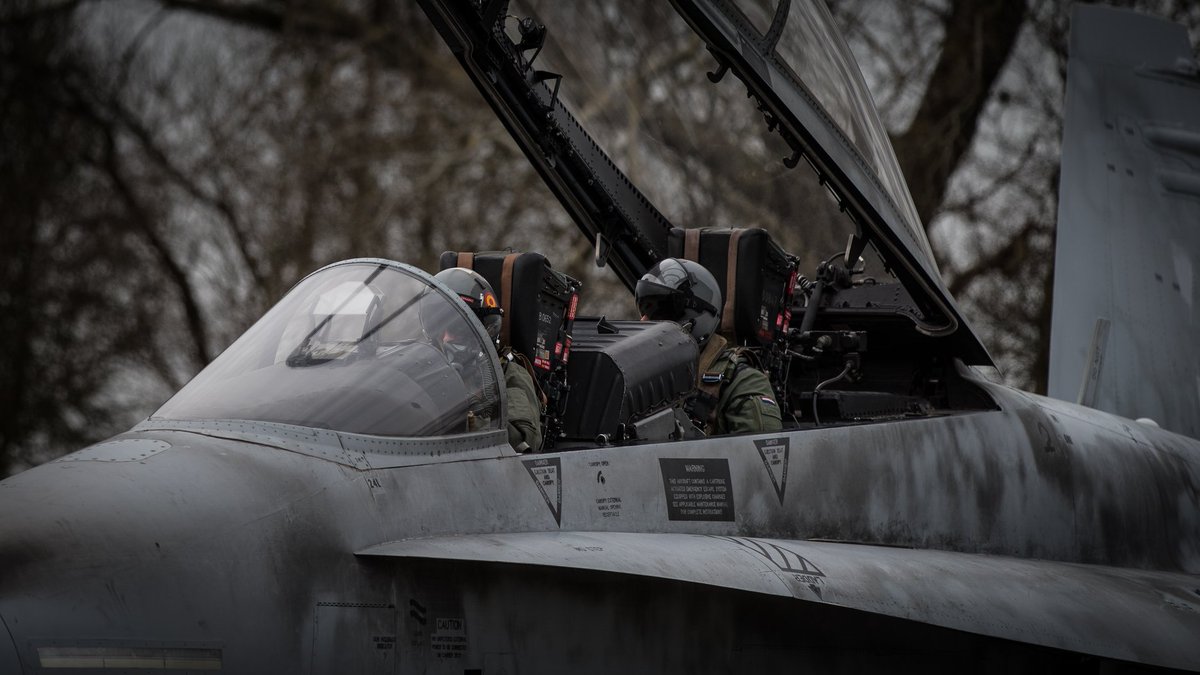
point(90, 544)
point(151, 547)
point(75, 541)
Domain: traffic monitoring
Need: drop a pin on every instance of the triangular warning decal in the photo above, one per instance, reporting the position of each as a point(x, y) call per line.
point(774, 453)
point(546, 473)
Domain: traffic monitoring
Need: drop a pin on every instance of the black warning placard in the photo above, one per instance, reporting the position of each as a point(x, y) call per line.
point(697, 489)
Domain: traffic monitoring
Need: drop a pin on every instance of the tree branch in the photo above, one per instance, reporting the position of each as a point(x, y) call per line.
point(979, 39)
point(305, 20)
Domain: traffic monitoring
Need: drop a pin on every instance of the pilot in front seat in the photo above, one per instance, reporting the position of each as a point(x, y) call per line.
point(733, 395)
point(524, 410)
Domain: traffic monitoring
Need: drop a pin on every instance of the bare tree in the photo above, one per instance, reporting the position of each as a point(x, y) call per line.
point(170, 168)
point(78, 302)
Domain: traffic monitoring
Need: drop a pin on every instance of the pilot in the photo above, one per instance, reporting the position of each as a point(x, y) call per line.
point(733, 395)
point(524, 410)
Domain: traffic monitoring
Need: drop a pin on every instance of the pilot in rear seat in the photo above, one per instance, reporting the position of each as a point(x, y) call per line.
point(524, 410)
point(733, 396)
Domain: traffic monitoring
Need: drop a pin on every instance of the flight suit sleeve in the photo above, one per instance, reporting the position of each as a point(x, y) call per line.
point(747, 404)
point(524, 412)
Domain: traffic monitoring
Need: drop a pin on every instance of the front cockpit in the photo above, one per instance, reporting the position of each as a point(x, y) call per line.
point(364, 347)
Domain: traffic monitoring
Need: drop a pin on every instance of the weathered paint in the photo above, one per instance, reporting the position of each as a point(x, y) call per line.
point(213, 539)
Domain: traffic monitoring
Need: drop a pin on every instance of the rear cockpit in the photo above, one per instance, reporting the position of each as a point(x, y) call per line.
point(733, 120)
point(840, 348)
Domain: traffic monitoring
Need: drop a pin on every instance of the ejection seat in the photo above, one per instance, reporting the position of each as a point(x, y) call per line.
point(604, 381)
point(755, 275)
point(539, 302)
point(757, 280)
point(539, 306)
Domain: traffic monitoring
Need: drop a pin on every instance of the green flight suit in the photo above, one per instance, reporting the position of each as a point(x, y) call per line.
point(524, 407)
point(746, 403)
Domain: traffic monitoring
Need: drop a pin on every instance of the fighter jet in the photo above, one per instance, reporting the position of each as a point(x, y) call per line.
point(336, 493)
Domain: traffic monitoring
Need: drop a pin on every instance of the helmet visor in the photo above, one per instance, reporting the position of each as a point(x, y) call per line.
point(663, 303)
point(660, 303)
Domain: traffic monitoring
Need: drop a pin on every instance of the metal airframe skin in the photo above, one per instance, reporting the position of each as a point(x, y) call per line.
point(265, 528)
point(1022, 534)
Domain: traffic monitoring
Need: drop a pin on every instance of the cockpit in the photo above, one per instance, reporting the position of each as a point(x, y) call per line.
point(365, 347)
point(380, 348)
point(661, 156)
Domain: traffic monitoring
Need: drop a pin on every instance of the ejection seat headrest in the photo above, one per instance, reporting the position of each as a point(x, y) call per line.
point(538, 302)
point(755, 275)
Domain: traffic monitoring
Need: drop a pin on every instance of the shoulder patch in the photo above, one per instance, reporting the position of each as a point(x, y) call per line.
point(711, 378)
point(766, 400)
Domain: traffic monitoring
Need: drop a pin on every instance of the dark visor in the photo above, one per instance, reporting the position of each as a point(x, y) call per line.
point(663, 303)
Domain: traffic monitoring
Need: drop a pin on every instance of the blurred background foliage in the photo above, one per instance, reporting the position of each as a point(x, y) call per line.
point(169, 168)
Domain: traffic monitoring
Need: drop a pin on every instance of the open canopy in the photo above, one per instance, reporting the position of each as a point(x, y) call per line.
point(638, 119)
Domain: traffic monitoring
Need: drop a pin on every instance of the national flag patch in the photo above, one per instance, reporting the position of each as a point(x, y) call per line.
point(768, 401)
point(711, 378)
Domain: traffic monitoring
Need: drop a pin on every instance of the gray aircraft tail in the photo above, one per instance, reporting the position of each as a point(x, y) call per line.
point(1125, 329)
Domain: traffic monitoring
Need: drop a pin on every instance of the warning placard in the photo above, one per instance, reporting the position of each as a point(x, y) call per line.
point(697, 489)
point(546, 474)
point(774, 453)
point(449, 639)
